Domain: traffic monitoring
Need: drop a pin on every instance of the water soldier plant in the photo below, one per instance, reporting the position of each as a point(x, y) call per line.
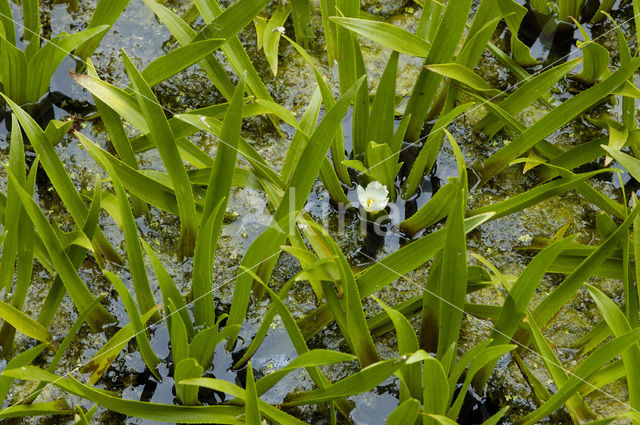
point(428, 296)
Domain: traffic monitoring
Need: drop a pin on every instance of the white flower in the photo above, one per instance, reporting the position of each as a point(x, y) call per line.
point(374, 198)
point(279, 29)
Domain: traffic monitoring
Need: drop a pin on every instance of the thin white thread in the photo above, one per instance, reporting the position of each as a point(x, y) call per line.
point(154, 101)
point(149, 327)
point(475, 107)
point(483, 323)
point(277, 253)
point(155, 323)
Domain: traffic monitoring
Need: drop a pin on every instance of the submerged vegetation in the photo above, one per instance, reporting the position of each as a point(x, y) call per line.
point(392, 250)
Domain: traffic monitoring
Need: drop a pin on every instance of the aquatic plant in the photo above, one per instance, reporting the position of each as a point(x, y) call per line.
point(26, 73)
point(374, 198)
point(463, 319)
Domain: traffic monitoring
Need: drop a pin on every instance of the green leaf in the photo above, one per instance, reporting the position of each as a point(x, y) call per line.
point(142, 288)
point(347, 45)
point(57, 407)
point(179, 59)
point(567, 289)
point(381, 119)
point(7, 27)
point(13, 68)
point(259, 336)
point(168, 289)
point(429, 152)
point(147, 353)
point(381, 166)
point(620, 326)
point(48, 58)
point(177, 335)
point(482, 28)
point(305, 358)
point(618, 135)
point(62, 348)
point(155, 412)
point(56, 130)
point(23, 359)
point(337, 147)
point(362, 381)
point(302, 25)
point(596, 61)
point(332, 184)
point(313, 358)
point(630, 164)
point(485, 356)
point(632, 296)
point(328, 9)
point(185, 369)
point(185, 35)
point(464, 75)
point(119, 100)
point(439, 419)
point(226, 24)
point(203, 344)
point(606, 375)
point(271, 412)
point(526, 94)
point(601, 356)
point(22, 236)
point(300, 138)
point(260, 166)
point(536, 195)
point(105, 13)
point(447, 38)
point(386, 34)
point(75, 287)
point(555, 119)
point(134, 181)
point(516, 305)
point(203, 304)
point(405, 413)
point(358, 332)
point(432, 211)
point(162, 137)
point(435, 386)
point(218, 192)
point(495, 419)
point(11, 221)
point(361, 113)
point(100, 362)
point(85, 417)
point(251, 404)
point(226, 153)
point(267, 244)
point(325, 269)
point(513, 14)
point(407, 340)
point(60, 179)
point(389, 269)
point(569, 8)
point(449, 283)
point(22, 322)
point(119, 139)
point(76, 255)
point(577, 408)
point(271, 37)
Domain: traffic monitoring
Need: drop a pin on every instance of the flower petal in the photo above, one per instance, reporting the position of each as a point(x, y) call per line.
point(374, 198)
point(362, 194)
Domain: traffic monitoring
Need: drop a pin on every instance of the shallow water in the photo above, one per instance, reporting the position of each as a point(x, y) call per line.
point(139, 33)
